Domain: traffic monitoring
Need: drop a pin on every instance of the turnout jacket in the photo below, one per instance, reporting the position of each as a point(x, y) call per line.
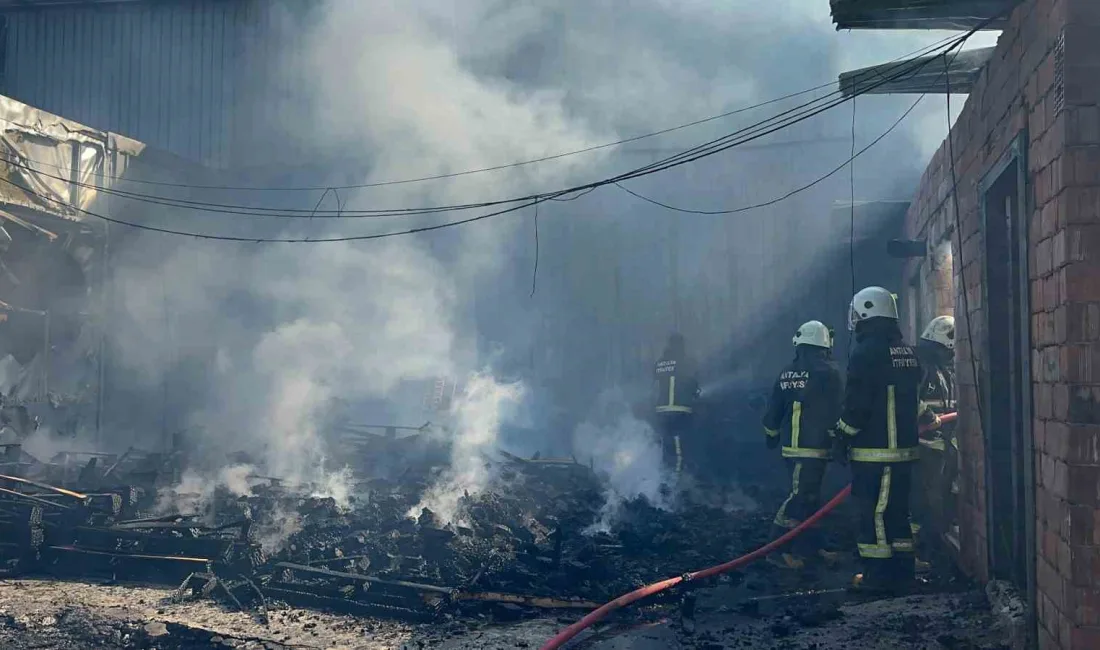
point(882, 396)
point(804, 406)
point(676, 385)
point(937, 392)
point(937, 395)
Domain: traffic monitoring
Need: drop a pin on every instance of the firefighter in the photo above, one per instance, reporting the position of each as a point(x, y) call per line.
point(804, 406)
point(936, 351)
point(877, 431)
point(677, 390)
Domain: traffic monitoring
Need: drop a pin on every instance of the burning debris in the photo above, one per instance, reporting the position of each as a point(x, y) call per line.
point(521, 545)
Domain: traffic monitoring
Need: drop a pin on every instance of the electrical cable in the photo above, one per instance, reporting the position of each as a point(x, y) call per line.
point(852, 214)
point(534, 202)
point(722, 144)
point(839, 167)
point(522, 163)
point(962, 263)
point(699, 151)
point(791, 193)
point(726, 142)
point(535, 270)
point(534, 199)
point(691, 155)
point(245, 210)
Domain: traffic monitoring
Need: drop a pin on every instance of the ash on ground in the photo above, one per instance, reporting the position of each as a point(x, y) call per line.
point(263, 563)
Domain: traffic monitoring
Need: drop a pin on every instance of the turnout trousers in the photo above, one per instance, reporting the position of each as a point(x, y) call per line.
point(673, 428)
point(804, 500)
point(884, 538)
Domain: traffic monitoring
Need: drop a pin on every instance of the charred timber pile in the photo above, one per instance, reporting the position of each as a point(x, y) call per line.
point(525, 546)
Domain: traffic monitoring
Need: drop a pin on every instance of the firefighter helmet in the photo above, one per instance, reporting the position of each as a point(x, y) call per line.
point(941, 330)
point(813, 333)
point(872, 302)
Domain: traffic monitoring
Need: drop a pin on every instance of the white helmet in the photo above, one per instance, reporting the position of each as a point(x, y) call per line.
point(813, 333)
point(870, 303)
point(941, 330)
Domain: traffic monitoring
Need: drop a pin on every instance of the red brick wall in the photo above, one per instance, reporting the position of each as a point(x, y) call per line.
point(1045, 76)
point(1010, 93)
point(1070, 556)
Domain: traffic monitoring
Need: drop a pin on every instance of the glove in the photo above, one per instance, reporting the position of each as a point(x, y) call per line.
point(772, 441)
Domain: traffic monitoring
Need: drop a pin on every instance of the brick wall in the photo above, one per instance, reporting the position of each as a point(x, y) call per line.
point(1045, 76)
point(1070, 346)
point(1010, 94)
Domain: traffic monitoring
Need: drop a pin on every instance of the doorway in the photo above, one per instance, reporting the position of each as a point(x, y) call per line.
point(1006, 385)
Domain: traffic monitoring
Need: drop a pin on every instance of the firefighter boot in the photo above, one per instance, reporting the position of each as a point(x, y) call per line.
point(903, 572)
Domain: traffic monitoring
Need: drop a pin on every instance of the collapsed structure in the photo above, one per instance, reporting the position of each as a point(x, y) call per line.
point(117, 515)
point(53, 265)
point(524, 546)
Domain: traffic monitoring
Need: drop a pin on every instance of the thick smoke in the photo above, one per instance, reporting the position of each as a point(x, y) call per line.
point(476, 422)
point(251, 346)
point(626, 452)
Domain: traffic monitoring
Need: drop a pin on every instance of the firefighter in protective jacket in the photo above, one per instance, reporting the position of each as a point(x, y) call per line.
point(877, 431)
point(804, 406)
point(677, 390)
point(936, 351)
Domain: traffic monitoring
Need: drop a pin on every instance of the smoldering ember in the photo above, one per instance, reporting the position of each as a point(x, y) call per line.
point(559, 325)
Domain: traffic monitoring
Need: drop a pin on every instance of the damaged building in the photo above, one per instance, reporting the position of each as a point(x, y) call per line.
point(998, 233)
point(53, 267)
point(1005, 225)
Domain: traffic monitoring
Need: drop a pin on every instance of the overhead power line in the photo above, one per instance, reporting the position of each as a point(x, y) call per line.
point(847, 163)
point(797, 190)
point(482, 170)
point(736, 138)
point(690, 155)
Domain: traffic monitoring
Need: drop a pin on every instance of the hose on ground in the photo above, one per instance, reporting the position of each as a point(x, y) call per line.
point(622, 601)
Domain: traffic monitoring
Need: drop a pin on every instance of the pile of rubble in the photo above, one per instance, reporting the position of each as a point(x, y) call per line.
point(524, 546)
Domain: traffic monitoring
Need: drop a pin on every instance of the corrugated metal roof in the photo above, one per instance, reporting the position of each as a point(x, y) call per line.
point(919, 14)
point(185, 77)
point(879, 79)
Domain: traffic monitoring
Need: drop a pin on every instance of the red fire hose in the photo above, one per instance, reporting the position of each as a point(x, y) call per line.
point(622, 601)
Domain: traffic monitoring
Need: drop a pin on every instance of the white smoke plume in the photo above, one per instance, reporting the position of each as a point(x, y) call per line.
point(626, 453)
point(423, 88)
point(356, 321)
point(194, 493)
point(275, 531)
point(476, 419)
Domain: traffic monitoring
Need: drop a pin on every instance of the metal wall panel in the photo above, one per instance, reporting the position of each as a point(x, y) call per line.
point(182, 75)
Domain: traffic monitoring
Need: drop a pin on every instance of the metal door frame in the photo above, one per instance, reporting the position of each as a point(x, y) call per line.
point(1016, 153)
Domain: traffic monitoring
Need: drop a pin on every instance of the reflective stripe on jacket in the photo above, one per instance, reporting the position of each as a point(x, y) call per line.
point(676, 386)
point(804, 405)
point(881, 399)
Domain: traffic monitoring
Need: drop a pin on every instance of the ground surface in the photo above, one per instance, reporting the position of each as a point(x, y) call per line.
point(529, 535)
point(71, 616)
